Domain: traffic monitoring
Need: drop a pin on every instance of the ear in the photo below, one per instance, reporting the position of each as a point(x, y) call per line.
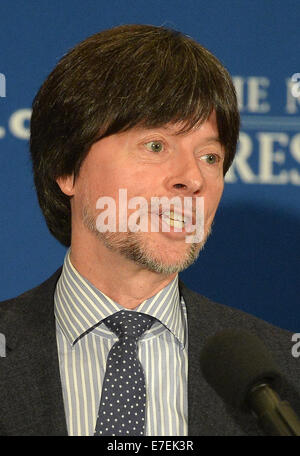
point(66, 184)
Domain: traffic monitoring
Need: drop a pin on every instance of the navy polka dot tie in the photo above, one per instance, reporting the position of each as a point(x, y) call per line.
point(123, 399)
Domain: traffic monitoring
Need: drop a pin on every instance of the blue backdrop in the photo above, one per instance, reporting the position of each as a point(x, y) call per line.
point(252, 259)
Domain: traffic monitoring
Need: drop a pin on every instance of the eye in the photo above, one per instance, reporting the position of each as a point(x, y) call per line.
point(154, 146)
point(211, 159)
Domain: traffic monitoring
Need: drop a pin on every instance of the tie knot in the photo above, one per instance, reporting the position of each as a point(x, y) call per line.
point(131, 324)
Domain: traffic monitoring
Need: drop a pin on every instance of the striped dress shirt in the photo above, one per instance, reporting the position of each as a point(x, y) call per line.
point(84, 342)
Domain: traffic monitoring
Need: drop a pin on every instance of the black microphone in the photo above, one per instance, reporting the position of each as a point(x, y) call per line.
point(241, 370)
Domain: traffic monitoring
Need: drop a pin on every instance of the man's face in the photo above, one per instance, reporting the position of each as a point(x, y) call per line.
point(150, 163)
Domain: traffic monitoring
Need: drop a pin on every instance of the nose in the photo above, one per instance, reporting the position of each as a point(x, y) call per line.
point(185, 176)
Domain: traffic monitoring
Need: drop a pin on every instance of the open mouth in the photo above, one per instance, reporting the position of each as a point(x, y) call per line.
point(178, 220)
point(174, 219)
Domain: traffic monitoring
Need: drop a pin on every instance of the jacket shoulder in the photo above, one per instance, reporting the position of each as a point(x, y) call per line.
point(29, 295)
point(219, 315)
point(24, 312)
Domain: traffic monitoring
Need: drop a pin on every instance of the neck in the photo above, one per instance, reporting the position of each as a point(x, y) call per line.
point(122, 280)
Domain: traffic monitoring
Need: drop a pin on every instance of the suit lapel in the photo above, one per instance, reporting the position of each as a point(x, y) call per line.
point(194, 349)
point(49, 380)
point(48, 377)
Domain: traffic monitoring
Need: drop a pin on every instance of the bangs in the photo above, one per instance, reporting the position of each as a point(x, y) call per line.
point(178, 83)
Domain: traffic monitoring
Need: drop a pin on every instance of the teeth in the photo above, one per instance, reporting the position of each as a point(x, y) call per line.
point(175, 223)
point(175, 218)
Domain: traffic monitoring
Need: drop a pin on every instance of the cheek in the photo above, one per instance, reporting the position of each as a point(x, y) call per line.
point(135, 182)
point(212, 199)
point(108, 183)
point(101, 182)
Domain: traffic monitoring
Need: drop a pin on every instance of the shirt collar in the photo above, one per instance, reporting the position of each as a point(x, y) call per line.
point(79, 306)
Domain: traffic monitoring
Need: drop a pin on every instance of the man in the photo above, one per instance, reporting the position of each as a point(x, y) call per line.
point(148, 111)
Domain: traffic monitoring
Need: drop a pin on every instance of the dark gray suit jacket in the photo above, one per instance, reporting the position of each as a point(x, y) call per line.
point(31, 401)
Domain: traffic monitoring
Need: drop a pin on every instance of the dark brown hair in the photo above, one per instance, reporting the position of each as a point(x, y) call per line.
point(114, 80)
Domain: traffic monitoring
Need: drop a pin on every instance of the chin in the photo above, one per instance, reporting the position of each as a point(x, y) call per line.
point(168, 263)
